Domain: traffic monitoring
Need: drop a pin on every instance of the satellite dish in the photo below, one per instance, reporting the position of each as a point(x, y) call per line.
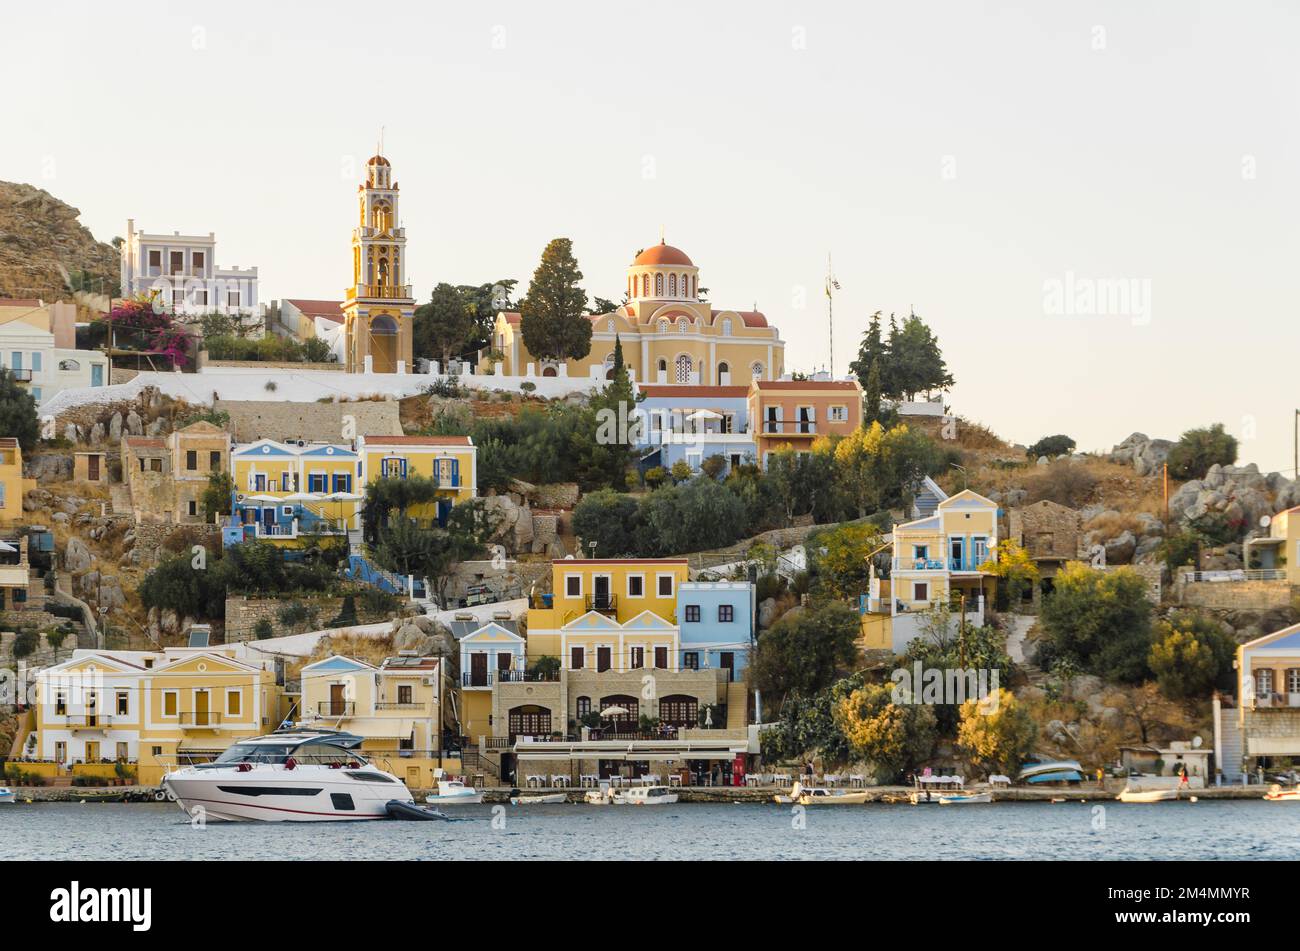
point(1196, 742)
point(1265, 521)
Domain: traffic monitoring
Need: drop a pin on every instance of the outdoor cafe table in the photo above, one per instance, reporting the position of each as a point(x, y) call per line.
point(559, 781)
point(536, 781)
point(589, 781)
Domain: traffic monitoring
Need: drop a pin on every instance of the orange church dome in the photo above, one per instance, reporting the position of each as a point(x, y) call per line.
point(662, 254)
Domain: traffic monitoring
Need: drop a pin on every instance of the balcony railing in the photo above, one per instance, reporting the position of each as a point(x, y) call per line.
point(487, 678)
point(21, 376)
point(336, 708)
point(794, 427)
point(199, 718)
point(604, 603)
point(380, 291)
point(409, 705)
point(1240, 574)
point(82, 721)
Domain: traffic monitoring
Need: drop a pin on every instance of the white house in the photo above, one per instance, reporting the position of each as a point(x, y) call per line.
point(37, 344)
point(182, 269)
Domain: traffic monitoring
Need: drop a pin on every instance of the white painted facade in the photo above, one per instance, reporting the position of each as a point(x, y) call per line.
point(182, 269)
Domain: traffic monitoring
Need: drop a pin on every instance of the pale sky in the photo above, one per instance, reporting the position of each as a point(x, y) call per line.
point(953, 157)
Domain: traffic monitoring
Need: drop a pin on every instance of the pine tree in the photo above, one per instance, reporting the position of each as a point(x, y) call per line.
point(871, 401)
point(17, 412)
point(552, 318)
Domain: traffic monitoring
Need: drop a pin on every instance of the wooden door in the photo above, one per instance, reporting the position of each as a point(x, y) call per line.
point(201, 708)
point(478, 670)
point(337, 701)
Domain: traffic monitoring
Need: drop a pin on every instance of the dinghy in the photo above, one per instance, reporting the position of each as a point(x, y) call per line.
point(964, 799)
point(1277, 794)
point(540, 800)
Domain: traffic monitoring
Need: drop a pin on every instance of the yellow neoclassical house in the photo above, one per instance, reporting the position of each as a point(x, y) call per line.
point(669, 335)
point(609, 614)
point(148, 710)
point(12, 484)
point(287, 492)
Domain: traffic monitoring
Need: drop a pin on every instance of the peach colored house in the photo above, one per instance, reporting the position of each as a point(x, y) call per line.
point(791, 414)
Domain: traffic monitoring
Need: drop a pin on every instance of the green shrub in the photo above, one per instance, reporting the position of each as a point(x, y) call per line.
point(1199, 449)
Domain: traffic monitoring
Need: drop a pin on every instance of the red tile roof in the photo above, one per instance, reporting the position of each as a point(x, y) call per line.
point(670, 390)
point(806, 384)
point(750, 318)
point(19, 302)
point(329, 309)
point(418, 441)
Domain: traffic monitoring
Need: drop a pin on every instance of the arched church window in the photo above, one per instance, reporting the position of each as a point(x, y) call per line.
point(664, 325)
point(663, 364)
point(724, 367)
point(645, 285)
point(757, 371)
point(683, 325)
point(609, 325)
point(726, 326)
point(682, 368)
point(672, 285)
point(659, 285)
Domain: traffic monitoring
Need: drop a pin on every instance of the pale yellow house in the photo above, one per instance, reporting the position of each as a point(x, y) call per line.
point(396, 707)
point(12, 484)
point(936, 562)
point(1277, 554)
point(668, 333)
point(149, 711)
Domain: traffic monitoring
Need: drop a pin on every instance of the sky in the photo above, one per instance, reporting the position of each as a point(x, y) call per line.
point(1094, 205)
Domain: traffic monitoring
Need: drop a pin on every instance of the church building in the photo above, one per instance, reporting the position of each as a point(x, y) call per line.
point(668, 334)
point(379, 311)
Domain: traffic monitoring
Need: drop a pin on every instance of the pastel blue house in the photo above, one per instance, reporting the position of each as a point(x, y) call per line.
point(716, 619)
point(692, 423)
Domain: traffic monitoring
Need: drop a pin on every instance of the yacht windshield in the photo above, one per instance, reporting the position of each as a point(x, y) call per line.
point(255, 753)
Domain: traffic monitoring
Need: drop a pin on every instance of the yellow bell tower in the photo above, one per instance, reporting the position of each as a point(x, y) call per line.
point(379, 310)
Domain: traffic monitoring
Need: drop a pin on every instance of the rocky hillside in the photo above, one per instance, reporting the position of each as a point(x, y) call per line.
point(45, 252)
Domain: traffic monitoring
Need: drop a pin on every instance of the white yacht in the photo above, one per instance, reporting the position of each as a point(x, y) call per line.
point(6, 794)
point(289, 776)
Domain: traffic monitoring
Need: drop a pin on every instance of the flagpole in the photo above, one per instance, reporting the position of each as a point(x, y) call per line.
point(830, 314)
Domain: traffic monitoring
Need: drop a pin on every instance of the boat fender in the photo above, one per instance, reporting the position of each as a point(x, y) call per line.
point(290, 763)
point(160, 795)
point(244, 767)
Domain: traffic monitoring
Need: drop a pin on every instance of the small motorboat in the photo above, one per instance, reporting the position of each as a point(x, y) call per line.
point(453, 792)
point(647, 796)
point(6, 794)
point(398, 809)
point(796, 793)
point(1045, 772)
point(603, 796)
point(827, 797)
point(964, 799)
point(1275, 794)
point(1147, 795)
point(516, 799)
point(924, 797)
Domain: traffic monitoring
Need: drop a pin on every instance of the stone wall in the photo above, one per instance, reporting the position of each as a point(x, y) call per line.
point(1046, 530)
point(266, 364)
point(1235, 595)
point(1271, 724)
point(242, 615)
point(513, 579)
point(321, 422)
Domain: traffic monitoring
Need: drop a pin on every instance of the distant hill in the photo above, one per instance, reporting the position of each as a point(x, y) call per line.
point(45, 252)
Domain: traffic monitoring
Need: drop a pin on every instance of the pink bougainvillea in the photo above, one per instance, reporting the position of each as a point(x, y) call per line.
point(145, 326)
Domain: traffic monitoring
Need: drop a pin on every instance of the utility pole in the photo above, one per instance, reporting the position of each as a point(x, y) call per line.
point(1295, 443)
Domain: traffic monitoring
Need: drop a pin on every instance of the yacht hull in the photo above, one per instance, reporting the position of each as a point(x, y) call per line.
point(274, 794)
